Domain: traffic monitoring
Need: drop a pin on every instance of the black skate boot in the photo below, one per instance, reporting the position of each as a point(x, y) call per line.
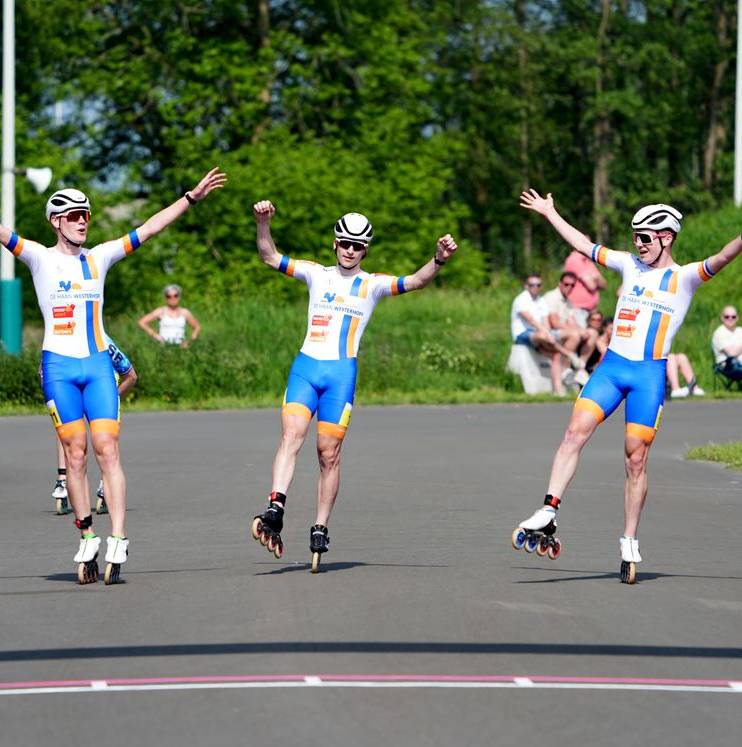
point(319, 542)
point(266, 527)
point(100, 504)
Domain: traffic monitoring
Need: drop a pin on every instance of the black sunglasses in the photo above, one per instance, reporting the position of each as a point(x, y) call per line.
point(356, 246)
point(730, 316)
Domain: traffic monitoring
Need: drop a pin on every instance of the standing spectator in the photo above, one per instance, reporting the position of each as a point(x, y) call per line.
point(529, 326)
point(173, 319)
point(563, 321)
point(586, 294)
point(727, 344)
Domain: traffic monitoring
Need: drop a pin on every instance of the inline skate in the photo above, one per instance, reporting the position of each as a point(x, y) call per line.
point(629, 558)
point(87, 559)
point(116, 555)
point(100, 504)
point(538, 533)
point(266, 527)
point(319, 543)
point(59, 494)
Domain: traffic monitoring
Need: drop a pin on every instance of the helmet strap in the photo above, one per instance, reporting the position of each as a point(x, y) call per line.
point(67, 238)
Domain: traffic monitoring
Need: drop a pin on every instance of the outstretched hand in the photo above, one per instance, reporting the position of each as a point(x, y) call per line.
point(215, 179)
point(263, 211)
point(532, 200)
point(446, 248)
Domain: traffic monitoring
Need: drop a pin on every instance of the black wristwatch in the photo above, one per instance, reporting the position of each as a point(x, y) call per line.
point(439, 262)
point(190, 199)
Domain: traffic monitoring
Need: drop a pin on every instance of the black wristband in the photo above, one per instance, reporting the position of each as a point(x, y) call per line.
point(190, 199)
point(439, 262)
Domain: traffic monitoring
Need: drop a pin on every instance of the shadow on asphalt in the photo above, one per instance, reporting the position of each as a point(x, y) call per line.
point(343, 566)
point(263, 648)
point(591, 576)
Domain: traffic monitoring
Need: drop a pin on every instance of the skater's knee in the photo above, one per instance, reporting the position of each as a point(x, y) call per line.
point(575, 437)
point(106, 451)
point(636, 463)
point(328, 453)
point(292, 438)
point(75, 453)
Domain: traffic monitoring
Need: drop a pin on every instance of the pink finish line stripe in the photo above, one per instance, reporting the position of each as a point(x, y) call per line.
point(379, 680)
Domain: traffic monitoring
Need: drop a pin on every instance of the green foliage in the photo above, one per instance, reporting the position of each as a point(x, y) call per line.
point(728, 454)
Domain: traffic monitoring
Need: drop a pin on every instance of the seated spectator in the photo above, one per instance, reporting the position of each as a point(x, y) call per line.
point(679, 361)
point(563, 320)
point(529, 326)
point(586, 294)
point(727, 345)
point(604, 329)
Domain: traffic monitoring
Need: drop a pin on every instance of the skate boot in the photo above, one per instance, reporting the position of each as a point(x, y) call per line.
point(87, 559)
point(538, 533)
point(116, 555)
point(629, 558)
point(319, 543)
point(100, 505)
point(59, 494)
point(266, 527)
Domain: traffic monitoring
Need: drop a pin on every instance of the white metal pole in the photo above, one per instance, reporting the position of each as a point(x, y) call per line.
point(8, 181)
point(738, 114)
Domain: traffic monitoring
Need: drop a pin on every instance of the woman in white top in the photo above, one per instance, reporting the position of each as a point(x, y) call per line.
point(173, 319)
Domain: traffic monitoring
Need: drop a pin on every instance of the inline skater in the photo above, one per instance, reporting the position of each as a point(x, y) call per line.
point(342, 298)
point(126, 380)
point(655, 296)
point(77, 372)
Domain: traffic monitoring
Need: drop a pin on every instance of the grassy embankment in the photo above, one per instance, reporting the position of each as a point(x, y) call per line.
point(728, 454)
point(437, 346)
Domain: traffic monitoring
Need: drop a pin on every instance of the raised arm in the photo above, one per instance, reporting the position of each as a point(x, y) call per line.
point(264, 212)
point(215, 179)
point(532, 200)
point(444, 250)
point(5, 234)
point(730, 252)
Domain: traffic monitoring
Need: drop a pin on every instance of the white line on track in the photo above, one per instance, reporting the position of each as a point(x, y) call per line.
point(232, 682)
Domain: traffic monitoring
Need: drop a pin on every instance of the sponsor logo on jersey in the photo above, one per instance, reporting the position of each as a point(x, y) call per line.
point(625, 330)
point(321, 320)
point(64, 312)
point(64, 329)
point(68, 285)
point(629, 314)
point(333, 297)
point(318, 335)
point(642, 292)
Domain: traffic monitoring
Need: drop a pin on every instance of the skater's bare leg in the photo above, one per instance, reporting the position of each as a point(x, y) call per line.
point(106, 448)
point(293, 432)
point(328, 453)
point(75, 445)
point(635, 490)
point(61, 463)
point(581, 427)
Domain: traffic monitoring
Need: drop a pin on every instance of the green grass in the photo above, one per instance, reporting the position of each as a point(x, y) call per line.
point(729, 454)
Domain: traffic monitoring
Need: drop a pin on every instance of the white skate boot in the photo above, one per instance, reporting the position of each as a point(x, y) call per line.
point(59, 494)
point(538, 532)
point(87, 559)
point(629, 558)
point(116, 555)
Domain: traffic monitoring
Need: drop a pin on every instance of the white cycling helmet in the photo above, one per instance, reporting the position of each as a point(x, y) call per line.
point(657, 218)
point(65, 200)
point(354, 227)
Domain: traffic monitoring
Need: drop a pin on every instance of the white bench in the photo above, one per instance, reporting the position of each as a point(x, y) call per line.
point(533, 368)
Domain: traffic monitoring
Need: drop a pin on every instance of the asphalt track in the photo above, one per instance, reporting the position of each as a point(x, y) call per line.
point(424, 627)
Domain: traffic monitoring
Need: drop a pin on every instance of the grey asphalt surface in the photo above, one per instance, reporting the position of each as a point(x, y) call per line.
point(420, 579)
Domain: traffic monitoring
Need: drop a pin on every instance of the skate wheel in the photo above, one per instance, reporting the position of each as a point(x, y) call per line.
point(278, 550)
point(112, 573)
point(316, 557)
point(518, 538)
point(543, 547)
point(62, 507)
point(531, 544)
point(87, 573)
point(555, 549)
point(271, 544)
point(264, 536)
point(628, 572)
point(257, 528)
point(100, 507)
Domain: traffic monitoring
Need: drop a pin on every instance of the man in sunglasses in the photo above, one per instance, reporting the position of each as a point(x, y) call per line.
point(656, 293)
point(727, 344)
point(77, 371)
point(342, 298)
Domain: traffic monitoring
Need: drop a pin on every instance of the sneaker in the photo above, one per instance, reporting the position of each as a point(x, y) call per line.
point(698, 392)
point(679, 393)
point(581, 377)
point(577, 363)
